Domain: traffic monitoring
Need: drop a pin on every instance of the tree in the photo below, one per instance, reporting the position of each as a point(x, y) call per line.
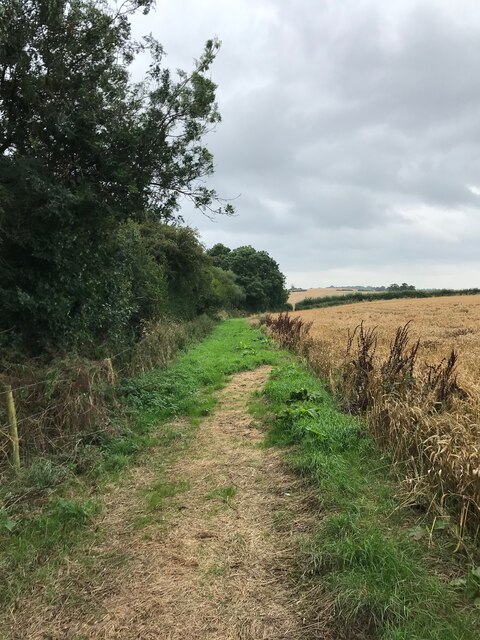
point(82, 152)
point(181, 256)
point(225, 292)
point(220, 254)
point(256, 272)
point(401, 287)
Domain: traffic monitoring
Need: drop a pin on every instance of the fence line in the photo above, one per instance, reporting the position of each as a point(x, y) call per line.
point(10, 408)
point(26, 386)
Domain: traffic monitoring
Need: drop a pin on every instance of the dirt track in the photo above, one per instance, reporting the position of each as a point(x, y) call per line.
point(214, 566)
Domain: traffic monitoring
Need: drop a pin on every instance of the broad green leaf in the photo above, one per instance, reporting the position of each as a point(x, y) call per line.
point(458, 582)
point(417, 533)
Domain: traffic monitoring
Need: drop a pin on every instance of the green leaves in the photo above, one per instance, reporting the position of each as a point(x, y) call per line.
point(246, 350)
point(304, 395)
point(6, 523)
point(417, 533)
point(256, 272)
point(84, 153)
point(299, 411)
point(470, 585)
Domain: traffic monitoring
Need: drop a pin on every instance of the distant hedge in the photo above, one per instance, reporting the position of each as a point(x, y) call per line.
point(349, 298)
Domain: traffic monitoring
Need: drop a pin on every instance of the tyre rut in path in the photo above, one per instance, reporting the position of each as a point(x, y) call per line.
point(219, 570)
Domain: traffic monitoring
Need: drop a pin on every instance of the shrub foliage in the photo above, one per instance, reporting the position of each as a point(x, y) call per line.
point(93, 170)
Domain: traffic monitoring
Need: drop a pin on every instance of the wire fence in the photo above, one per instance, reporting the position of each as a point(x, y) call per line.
point(49, 427)
point(9, 433)
point(49, 380)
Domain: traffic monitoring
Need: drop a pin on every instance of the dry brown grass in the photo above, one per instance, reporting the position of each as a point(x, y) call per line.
point(69, 400)
point(56, 406)
point(422, 403)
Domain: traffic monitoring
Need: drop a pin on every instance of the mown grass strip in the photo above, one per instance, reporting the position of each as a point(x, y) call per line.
point(383, 583)
point(187, 387)
point(48, 513)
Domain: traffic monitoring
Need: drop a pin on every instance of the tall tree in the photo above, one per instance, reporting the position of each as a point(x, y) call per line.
point(82, 151)
point(256, 272)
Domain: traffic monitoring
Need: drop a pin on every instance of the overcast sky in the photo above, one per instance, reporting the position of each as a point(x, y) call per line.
point(351, 129)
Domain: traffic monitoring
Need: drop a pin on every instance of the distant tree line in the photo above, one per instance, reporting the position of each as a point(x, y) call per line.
point(93, 171)
point(392, 287)
point(349, 298)
point(401, 287)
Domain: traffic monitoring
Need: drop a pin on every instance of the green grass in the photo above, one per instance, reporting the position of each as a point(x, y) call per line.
point(161, 489)
point(187, 387)
point(218, 569)
point(28, 545)
point(50, 509)
point(383, 583)
point(225, 494)
point(155, 496)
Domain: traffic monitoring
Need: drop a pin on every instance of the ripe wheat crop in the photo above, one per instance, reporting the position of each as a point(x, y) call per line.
point(413, 368)
point(442, 324)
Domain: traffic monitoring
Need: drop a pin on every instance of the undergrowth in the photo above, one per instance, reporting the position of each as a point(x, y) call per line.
point(377, 573)
point(67, 402)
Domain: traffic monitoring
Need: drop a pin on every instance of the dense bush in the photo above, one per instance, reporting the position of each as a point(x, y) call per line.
point(257, 273)
point(93, 170)
point(95, 262)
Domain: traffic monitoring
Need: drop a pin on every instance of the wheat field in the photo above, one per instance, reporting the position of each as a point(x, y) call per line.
point(420, 400)
point(442, 324)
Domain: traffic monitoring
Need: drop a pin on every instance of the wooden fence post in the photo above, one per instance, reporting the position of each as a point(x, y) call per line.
point(112, 378)
point(12, 422)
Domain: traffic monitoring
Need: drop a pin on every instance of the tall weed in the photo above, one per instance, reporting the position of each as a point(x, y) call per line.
point(67, 405)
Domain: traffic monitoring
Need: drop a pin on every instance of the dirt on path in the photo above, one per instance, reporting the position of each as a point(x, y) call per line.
point(218, 567)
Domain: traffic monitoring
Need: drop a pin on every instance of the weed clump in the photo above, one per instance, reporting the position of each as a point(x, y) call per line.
point(289, 331)
point(413, 410)
point(358, 369)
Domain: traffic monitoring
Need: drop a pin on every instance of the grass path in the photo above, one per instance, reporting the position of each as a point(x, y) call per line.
point(202, 557)
point(192, 528)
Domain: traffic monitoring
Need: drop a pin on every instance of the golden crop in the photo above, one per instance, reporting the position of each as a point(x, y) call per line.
point(442, 324)
point(422, 405)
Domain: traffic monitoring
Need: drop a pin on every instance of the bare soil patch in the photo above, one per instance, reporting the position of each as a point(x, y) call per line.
point(213, 563)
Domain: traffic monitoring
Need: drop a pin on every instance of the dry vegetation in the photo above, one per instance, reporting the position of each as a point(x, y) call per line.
point(418, 383)
point(442, 324)
point(68, 402)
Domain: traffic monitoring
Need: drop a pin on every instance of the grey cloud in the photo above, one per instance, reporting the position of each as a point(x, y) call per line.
point(352, 131)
